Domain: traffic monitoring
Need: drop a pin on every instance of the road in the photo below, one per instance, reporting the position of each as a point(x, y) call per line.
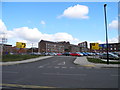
point(59, 72)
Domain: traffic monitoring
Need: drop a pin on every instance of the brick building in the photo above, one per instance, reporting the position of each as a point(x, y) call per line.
point(48, 46)
point(6, 48)
point(66, 46)
point(83, 46)
point(58, 47)
point(74, 48)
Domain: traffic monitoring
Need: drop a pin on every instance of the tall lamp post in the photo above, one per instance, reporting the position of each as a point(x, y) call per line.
point(106, 33)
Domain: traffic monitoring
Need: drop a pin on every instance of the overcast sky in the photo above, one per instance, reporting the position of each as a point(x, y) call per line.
point(76, 22)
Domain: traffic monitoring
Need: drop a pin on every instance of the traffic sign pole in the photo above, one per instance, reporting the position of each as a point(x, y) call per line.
point(106, 33)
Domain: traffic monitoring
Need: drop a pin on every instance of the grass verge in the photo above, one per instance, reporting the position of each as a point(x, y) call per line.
point(7, 58)
point(96, 60)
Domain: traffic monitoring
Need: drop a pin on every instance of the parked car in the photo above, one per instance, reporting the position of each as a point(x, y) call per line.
point(116, 53)
point(52, 54)
point(75, 54)
point(66, 54)
point(84, 54)
point(110, 55)
point(59, 54)
point(80, 53)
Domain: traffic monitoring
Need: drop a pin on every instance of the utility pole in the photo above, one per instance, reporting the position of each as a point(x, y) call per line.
point(106, 33)
point(3, 40)
point(32, 48)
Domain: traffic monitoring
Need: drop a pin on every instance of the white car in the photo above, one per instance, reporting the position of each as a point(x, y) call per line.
point(110, 55)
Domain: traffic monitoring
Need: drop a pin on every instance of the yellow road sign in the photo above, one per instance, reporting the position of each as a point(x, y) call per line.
point(20, 45)
point(95, 46)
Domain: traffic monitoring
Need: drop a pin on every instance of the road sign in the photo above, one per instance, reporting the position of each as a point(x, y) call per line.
point(20, 45)
point(95, 46)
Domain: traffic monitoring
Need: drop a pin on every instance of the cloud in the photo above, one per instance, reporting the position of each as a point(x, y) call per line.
point(113, 25)
point(3, 28)
point(113, 40)
point(33, 35)
point(42, 22)
point(77, 11)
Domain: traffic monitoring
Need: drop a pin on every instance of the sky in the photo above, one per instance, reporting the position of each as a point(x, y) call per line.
point(30, 22)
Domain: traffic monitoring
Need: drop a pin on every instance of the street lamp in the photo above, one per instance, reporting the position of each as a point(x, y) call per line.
point(106, 33)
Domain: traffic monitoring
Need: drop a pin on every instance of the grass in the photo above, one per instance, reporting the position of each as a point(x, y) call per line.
point(7, 58)
point(96, 60)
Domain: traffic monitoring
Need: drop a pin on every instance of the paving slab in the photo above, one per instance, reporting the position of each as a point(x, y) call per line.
point(84, 62)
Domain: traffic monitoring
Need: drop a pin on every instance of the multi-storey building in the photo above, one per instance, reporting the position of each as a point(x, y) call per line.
point(66, 46)
point(58, 47)
point(74, 48)
point(112, 47)
point(83, 46)
point(48, 46)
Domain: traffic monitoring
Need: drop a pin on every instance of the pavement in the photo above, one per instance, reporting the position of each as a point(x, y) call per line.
point(25, 61)
point(82, 61)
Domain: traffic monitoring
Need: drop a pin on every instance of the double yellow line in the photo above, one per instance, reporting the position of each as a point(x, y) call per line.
point(24, 86)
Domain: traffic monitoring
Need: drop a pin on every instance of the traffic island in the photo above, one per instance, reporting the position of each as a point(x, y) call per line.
point(95, 62)
point(102, 61)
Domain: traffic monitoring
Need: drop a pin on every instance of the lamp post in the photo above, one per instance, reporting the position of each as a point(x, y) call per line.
point(32, 48)
point(106, 33)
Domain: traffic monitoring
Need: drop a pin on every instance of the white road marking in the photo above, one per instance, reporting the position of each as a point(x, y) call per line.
point(56, 67)
point(43, 65)
point(64, 67)
point(65, 74)
point(115, 75)
point(40, 66)
point(62, 63)
point(72, 67)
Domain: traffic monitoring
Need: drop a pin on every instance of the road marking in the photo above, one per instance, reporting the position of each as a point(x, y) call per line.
point(62, 63)
point(65, 74)
point(40, 66)
point(24, 86)
point(64, 67)
point(56, 67)
point(72, 67)
point(115, 75)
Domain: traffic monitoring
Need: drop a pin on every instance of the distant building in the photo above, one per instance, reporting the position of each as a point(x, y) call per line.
point(6, 48)
point(66, 46)
point(48, 46)
point(57, 47)
point(30, 50)
point(74, 48)
point(112, 47)
point(83, 46)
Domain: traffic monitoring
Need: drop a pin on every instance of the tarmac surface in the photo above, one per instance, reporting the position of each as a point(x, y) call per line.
point(57, 72)
point(82, 61)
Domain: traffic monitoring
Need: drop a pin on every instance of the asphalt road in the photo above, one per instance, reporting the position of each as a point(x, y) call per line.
point(58, 72)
